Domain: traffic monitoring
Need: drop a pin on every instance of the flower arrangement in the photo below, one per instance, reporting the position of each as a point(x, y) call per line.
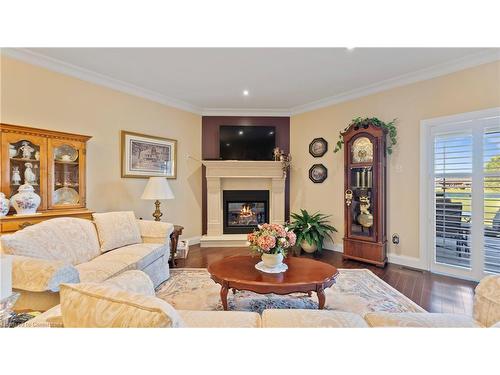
point(271, 239)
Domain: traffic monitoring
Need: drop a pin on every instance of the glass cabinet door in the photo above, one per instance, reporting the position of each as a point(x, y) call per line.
point(66, 166)
point(362, 198)
point(24, 163)
point(362, 203)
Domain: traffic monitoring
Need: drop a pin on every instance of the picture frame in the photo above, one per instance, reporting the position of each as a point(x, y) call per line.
point(318, 173)
point(318, 147)
point(144, 156)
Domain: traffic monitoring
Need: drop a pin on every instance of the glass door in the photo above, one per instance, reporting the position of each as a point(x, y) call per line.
point(24, 162)
point(464, 195)
point(66, 168)
point(361, 193)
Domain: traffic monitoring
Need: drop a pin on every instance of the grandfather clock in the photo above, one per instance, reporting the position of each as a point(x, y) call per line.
point(364, 194)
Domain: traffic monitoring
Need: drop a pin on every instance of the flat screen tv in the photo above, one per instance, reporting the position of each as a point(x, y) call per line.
point(247, 142)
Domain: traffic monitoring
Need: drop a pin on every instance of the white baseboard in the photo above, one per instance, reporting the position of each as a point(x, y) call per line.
point(406, 261)
point(192, 240)
point(338, 247)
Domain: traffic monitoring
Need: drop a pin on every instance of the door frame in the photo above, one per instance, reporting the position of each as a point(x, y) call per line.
point(427, 218)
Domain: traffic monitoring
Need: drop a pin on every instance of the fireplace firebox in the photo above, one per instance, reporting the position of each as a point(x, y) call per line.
point(243, 210)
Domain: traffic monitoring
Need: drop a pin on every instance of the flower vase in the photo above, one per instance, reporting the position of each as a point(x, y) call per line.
point(4, 205)
point(272, 260)
point(26, 201)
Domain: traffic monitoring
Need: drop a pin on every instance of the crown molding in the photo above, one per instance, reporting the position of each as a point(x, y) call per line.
point(420, 75)
point(246, 112)
point(118, 85)
point(62, 67)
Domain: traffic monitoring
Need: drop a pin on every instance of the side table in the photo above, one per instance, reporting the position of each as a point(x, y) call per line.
point(174, 240)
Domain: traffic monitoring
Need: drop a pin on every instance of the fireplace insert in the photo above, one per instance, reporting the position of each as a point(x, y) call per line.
point(243, 210)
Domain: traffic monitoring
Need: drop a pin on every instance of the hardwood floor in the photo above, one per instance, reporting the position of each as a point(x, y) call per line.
point(433, 292)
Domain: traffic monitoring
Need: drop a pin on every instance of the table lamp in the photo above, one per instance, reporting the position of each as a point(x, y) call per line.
point(157, 189)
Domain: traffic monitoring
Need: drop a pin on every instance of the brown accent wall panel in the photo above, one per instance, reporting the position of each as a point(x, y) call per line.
point(210, 147)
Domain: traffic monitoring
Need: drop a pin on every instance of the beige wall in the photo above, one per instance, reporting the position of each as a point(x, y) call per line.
point(468, 90)
point(37, 97)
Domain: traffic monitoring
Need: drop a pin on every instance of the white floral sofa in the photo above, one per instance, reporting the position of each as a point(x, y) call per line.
point(129, 300)
point(71, 250)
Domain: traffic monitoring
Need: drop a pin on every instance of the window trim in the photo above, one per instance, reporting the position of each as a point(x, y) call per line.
point(428, 128)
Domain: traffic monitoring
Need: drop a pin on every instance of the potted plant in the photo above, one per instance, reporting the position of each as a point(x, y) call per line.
point(311, 230)
point(271, 241)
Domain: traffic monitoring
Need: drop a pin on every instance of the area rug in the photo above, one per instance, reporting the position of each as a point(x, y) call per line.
point(356, 290)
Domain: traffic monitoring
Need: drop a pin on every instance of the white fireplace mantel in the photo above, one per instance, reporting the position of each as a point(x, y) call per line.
point(240, 175)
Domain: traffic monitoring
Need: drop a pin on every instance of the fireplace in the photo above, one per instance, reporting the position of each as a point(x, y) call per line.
point(243, 210)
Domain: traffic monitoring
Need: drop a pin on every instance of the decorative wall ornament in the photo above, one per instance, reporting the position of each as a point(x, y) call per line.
point(318, 173)
point(146, 156)
point(318, 147)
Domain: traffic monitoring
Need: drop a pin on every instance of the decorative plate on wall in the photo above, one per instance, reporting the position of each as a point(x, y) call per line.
point(318, 147)
point(318, 173)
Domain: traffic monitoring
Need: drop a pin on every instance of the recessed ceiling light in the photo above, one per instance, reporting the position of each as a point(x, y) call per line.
point(240, 132)
point(245, 92)
point(228, 144)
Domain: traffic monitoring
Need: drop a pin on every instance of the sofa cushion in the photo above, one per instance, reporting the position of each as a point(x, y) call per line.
point(487, 301)
point(117, 229)
point(302, 318)
point(92, 305)
point(423, 320)
point(132, 257)
point(220, 319)
point(66, 239)
point(133, 281)
point(155, 231)
point(39, 275)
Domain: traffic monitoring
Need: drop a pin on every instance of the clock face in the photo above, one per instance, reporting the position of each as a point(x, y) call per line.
point(362, 150)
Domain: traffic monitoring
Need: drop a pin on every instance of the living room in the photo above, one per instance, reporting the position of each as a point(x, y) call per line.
point(256, 187)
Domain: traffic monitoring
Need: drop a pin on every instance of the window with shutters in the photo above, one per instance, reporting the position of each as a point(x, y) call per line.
point(462, 192)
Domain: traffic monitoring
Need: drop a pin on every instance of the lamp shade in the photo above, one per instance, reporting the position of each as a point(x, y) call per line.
point(157, 189)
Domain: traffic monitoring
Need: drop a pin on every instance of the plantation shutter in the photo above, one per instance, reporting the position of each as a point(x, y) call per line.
point(453, 164)
point(491, 189)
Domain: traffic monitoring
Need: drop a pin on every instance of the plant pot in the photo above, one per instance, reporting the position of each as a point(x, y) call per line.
point(308, 248)
point(272, 260)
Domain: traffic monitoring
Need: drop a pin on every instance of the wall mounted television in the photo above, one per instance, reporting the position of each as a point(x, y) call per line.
point(247, 142)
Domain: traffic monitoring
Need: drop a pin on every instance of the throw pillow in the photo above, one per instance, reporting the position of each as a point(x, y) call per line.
point(117, 229)
point(92, 305)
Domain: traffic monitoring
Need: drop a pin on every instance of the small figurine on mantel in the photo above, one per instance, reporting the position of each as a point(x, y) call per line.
point(277, 154)
point(26, 149)
point(16, 176)
point(29, 176)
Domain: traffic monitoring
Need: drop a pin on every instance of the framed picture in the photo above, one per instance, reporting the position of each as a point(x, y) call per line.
point(318, 147)
point(318, 173)
point(146, 156)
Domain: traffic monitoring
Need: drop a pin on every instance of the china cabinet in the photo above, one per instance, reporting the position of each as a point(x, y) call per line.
point(53, 163)
point(365, 194)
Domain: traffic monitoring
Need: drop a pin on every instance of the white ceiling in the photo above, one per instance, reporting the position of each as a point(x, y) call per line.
point(279, 80)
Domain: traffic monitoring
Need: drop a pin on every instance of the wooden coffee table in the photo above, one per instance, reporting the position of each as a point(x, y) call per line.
point(303, 275)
